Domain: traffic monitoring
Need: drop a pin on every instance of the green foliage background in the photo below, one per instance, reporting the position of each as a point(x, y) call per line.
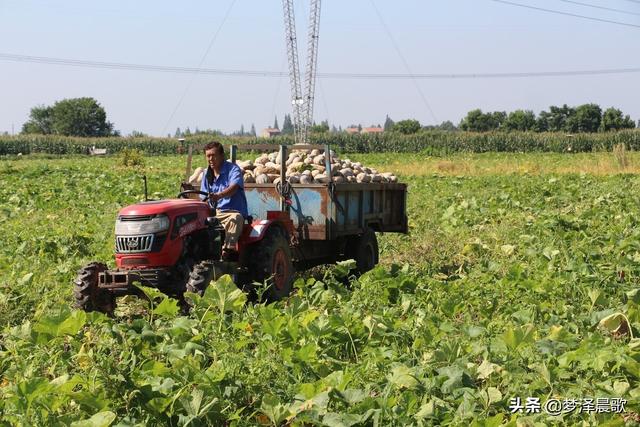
point(496, 293)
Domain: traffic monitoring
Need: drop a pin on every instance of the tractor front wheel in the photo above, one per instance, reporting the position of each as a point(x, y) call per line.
point(86, 292)
point(201, 275)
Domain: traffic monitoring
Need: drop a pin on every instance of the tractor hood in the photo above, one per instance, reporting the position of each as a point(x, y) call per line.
point(169, 207)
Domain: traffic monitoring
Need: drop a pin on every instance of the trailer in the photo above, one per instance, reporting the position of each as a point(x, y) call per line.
point(328, 222)
point(175, 245)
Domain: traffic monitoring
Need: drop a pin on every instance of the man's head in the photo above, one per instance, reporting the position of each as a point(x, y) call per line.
point(214, 152)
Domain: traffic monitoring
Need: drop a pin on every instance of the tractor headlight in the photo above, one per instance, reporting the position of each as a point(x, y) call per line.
point(127, 227)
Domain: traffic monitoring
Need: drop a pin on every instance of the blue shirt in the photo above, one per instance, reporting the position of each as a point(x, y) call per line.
point(230, 173)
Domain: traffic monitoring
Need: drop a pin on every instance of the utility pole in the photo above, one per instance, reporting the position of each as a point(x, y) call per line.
point(312, 61)
point(294, 68)
point(302, 106)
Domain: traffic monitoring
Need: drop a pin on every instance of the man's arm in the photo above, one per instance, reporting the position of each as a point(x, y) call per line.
point(227, 192)
point(235, 183)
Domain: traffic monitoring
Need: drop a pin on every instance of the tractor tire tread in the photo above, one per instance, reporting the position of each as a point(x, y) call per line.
point(86, 293)
point(200, 277)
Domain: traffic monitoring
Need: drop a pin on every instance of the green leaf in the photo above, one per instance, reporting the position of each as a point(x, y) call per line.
point(545, 373)
point(273, 409)
point(159, 404)
point(634, 295)
point(167, 308)
point(494, 395)
point(475, 331)
point(494, 421)
point(101, 419)
point(307, 353)
point(62, 324)
point(32, 388)
point(224, 295)
point(455, 378)
point(427, 410)
point(25, 280)
point(517, 336)
point(309, 317)
point(550, 253)
point(403, 377)
point(596, 297)
point(487, 368)
point(508, 250)
point(621, 387)
point(558, 333)
point(343, 268)
point(353, 396)
point(333, 419)
point(151, 293)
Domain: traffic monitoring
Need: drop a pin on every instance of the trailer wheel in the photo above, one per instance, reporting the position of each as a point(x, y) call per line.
point(364, 250)
point(201, 275)
point(86, 292)
point(270, 262)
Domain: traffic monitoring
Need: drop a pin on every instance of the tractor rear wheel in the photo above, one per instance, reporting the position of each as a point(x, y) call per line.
point(270, 262)
point(364, 250)
point(86, 292)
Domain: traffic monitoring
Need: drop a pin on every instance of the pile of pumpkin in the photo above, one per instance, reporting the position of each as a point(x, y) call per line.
point(304, 167)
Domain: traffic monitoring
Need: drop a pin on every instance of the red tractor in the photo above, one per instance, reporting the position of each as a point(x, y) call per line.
point(176, 245)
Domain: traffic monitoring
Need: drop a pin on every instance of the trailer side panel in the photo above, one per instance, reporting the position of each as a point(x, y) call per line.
point(326, 212)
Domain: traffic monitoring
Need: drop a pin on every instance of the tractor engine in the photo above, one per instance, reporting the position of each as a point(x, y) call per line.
point(158, 243)
point(139, 234)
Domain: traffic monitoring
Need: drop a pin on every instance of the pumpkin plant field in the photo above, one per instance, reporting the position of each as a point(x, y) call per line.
point(514, 284)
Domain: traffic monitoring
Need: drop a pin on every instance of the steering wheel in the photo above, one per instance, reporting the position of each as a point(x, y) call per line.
point(184, 194)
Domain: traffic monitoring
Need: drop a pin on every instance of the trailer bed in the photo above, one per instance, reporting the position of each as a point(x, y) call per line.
point(330, 211)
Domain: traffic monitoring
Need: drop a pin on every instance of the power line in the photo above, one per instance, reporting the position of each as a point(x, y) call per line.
point(278, 84)
point(600, 7)
point(324, 101)
point(197, 72)
point(626, 24)
point(135, 67)
point(404, 61)
point(335, 75)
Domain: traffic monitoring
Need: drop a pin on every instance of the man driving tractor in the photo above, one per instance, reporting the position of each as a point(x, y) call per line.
point(224, 183)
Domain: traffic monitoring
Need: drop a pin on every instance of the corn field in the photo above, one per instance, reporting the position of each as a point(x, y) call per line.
point(428, 142)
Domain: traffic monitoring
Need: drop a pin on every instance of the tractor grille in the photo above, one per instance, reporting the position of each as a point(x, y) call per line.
point(134, 244)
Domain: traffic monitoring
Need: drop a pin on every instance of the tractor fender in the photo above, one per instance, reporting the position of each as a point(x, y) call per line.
point(258, 228)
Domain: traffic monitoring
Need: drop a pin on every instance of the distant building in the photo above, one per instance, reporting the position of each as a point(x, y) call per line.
point(270, 132)
point(354, 130)
point(372, 130)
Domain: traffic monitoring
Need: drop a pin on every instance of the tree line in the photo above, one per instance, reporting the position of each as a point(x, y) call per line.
point(85, 117)
point(587, 118)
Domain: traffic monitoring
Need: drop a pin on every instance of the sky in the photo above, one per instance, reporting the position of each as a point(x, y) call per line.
point(419, 37)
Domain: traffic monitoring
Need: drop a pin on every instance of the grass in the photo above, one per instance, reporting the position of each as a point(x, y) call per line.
point(620, 160)
point(599, 164)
